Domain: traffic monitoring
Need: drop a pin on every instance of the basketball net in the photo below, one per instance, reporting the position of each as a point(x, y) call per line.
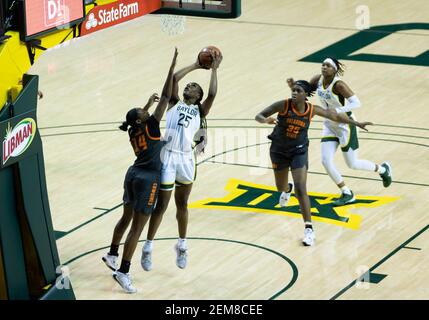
point(172, 24)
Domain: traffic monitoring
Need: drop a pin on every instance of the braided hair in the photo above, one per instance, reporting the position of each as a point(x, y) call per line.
point(306, 86)
point(132, 120)
point(341, 67)
point(200, 138)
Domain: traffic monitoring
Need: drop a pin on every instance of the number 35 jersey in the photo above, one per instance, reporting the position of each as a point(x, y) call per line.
point(290, 134)
point(183, 122)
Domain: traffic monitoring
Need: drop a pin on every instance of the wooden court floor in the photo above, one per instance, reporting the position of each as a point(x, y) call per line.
point(241, 246)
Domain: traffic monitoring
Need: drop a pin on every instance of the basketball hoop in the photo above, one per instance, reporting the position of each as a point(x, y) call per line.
point(173, 25)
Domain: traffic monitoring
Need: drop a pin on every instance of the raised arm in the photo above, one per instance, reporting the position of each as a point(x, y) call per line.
point(314, 81)
point(152, 99)
point(179, 75)
point(339, 117)
point(207, 104)
point(265, 115)
point(166, 91)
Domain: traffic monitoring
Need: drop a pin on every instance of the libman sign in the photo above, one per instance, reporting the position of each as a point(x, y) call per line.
point(18, 138)
point(117, 12)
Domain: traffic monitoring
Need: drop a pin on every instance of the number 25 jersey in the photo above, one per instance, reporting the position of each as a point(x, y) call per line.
point(183, 122)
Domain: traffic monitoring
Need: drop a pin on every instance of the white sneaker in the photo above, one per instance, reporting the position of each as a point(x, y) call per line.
point(146, 260)
point(309, 237)
point(111, 261)
point(181, 257)
point(124, 280)
point(285, 196)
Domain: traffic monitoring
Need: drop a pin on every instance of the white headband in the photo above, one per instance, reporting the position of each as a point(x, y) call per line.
point(331, 62)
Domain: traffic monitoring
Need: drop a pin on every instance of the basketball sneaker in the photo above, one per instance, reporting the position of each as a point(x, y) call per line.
point(146, 260)
point(111, 261)
point(181, 257)
point(124, 280)
point(387, 175)
point(285, 196)
point(309, 237)
point(344, 199)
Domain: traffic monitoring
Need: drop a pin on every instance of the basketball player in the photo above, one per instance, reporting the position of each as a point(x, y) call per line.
point(142, 180)
point(289, 147)
point(184, 119)
point(334, 93)
point(111, 258)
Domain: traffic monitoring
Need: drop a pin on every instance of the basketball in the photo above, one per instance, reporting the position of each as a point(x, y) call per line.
point(205, 57)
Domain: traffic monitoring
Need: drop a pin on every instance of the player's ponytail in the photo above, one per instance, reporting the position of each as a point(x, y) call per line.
point(131, 119)
point(200, 138)
point(341, 67)
point(124, 126)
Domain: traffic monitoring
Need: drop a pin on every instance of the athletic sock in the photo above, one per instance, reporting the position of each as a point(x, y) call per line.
point(182, 243)
point(148, 246)
point(346, 190)
point(114, 250)
point(125, 266)
point(381, 169)
point(308, 225)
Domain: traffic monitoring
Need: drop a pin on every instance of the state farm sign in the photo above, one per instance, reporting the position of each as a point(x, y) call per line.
point(105, 16)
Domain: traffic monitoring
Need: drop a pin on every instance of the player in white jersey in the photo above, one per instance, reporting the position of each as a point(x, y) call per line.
point(185, 118)
point(334, 93)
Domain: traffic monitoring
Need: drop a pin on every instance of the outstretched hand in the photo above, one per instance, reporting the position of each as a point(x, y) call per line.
point(362, 125)
point(152, 99)
point(217, 59)
point(290, 82)
point(197, 65)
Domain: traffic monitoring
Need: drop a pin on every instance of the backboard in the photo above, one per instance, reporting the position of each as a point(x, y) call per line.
point(223, 9)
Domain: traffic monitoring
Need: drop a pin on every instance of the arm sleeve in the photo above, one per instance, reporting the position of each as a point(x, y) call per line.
point(153, 127)
point(352, 103)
